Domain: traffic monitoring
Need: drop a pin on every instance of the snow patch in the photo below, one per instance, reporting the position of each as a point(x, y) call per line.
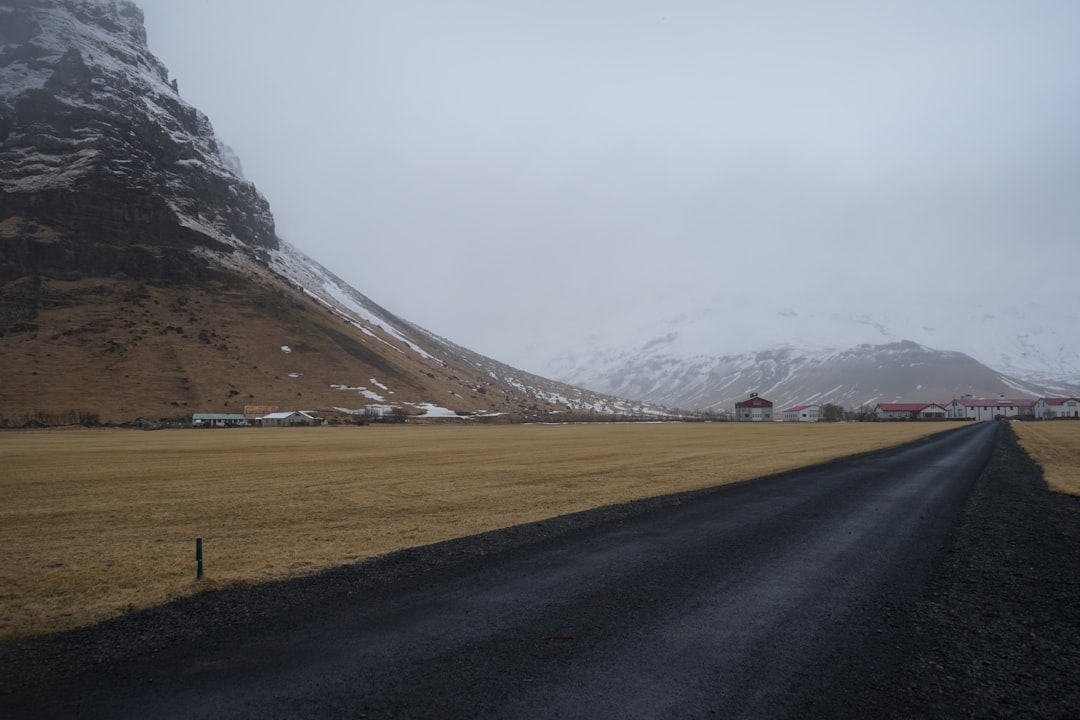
point(432, 410)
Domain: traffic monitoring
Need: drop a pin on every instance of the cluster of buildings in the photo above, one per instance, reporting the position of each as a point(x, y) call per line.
point(758, 409)
point(258, 417)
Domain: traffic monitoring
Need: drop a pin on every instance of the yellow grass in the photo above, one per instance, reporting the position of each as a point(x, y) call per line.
point(96, 523)
point(1055, 446)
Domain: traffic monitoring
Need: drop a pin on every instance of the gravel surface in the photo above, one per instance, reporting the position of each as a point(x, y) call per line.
point(998, 633)
point(995, 632)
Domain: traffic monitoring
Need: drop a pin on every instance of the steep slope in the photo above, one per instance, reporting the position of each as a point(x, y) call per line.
point(862, 375)
point(140, 274)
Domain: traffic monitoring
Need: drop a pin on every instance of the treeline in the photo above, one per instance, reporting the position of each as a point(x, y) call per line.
point(49, 418)
point(836, 413)
point(381, 415)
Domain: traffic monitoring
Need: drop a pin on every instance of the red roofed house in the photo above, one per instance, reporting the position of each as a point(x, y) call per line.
point(969, 408)
point(803, 413)
point(754, 409)
point(1049, 408)
point(910, 411)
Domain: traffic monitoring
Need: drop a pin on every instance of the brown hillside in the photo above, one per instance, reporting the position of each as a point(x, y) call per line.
point(124, 349)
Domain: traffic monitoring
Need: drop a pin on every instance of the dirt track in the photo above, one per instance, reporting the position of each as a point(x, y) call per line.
point(895, 584)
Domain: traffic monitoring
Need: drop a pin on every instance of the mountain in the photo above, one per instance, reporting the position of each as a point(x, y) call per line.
point(853, 377)
point(1032, 339)
point(141, 274)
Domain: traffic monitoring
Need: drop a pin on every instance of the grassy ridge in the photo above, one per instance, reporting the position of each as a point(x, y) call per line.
point(97, 523)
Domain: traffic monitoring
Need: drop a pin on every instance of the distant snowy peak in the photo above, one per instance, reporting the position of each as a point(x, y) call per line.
point(855, 376)
point(1032, 340)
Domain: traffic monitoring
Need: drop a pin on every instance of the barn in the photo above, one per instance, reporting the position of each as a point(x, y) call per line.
point(754, 409)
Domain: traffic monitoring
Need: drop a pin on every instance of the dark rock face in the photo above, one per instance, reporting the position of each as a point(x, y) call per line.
point(97, 146)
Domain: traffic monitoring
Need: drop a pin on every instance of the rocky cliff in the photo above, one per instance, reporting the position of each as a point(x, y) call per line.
point(104, 168)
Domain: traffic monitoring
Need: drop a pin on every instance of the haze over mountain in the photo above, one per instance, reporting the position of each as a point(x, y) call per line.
point(855, 377)
point(141, 274)
point(532, 179)
point(693, 362)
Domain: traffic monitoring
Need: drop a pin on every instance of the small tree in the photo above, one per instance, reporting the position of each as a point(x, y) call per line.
point(832, 413)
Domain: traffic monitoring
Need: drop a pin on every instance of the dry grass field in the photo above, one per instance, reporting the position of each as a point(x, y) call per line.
point(95, 523)
point(1055, 446)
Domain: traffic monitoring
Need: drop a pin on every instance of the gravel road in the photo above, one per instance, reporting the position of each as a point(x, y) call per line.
point(940, 579)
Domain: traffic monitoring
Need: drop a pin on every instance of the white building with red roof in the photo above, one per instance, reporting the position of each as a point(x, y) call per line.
point(802, 413)
point(1052, 408)
point(754, 409)
point(910, 411)
point(969, 408)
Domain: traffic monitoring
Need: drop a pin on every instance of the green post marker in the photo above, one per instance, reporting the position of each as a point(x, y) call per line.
point(198, 557)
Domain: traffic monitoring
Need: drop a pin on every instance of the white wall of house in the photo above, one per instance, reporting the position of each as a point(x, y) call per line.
point(758, 414)
point(806, 414)
point(883, 414)
point(933, 412)
point(1066, 409)
point(955, 411)
point(991, 409)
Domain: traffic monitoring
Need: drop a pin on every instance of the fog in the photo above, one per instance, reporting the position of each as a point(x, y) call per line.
point(523, 178)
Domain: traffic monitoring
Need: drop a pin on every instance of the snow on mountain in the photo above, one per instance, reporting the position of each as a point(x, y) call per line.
point(860, 375)
point(402, 336)
point(815, 352)
point(93, 130)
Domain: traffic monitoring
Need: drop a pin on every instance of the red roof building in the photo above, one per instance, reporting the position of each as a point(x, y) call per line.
point(1049, 408)
point(802, 413)
point(754, 409)
point(910, 411)
point(969, 408)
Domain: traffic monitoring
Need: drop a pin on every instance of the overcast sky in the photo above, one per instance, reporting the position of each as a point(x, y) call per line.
point(520, 176)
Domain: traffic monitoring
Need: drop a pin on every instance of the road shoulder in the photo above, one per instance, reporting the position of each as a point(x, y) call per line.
point(998, 632)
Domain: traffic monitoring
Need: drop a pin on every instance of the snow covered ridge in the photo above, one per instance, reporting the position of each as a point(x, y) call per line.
point(338, 296)
point(90, 118)
point(381, 326)
point(860, 375)
point(1033, 340)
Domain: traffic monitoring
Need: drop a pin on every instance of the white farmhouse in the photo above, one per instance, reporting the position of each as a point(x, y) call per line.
point(910, 411)
point(969, 408)
point(803, 413)
point(1051, 408)
point(289, 419)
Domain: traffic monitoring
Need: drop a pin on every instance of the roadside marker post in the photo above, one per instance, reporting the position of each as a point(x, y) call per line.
point(198, 557)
